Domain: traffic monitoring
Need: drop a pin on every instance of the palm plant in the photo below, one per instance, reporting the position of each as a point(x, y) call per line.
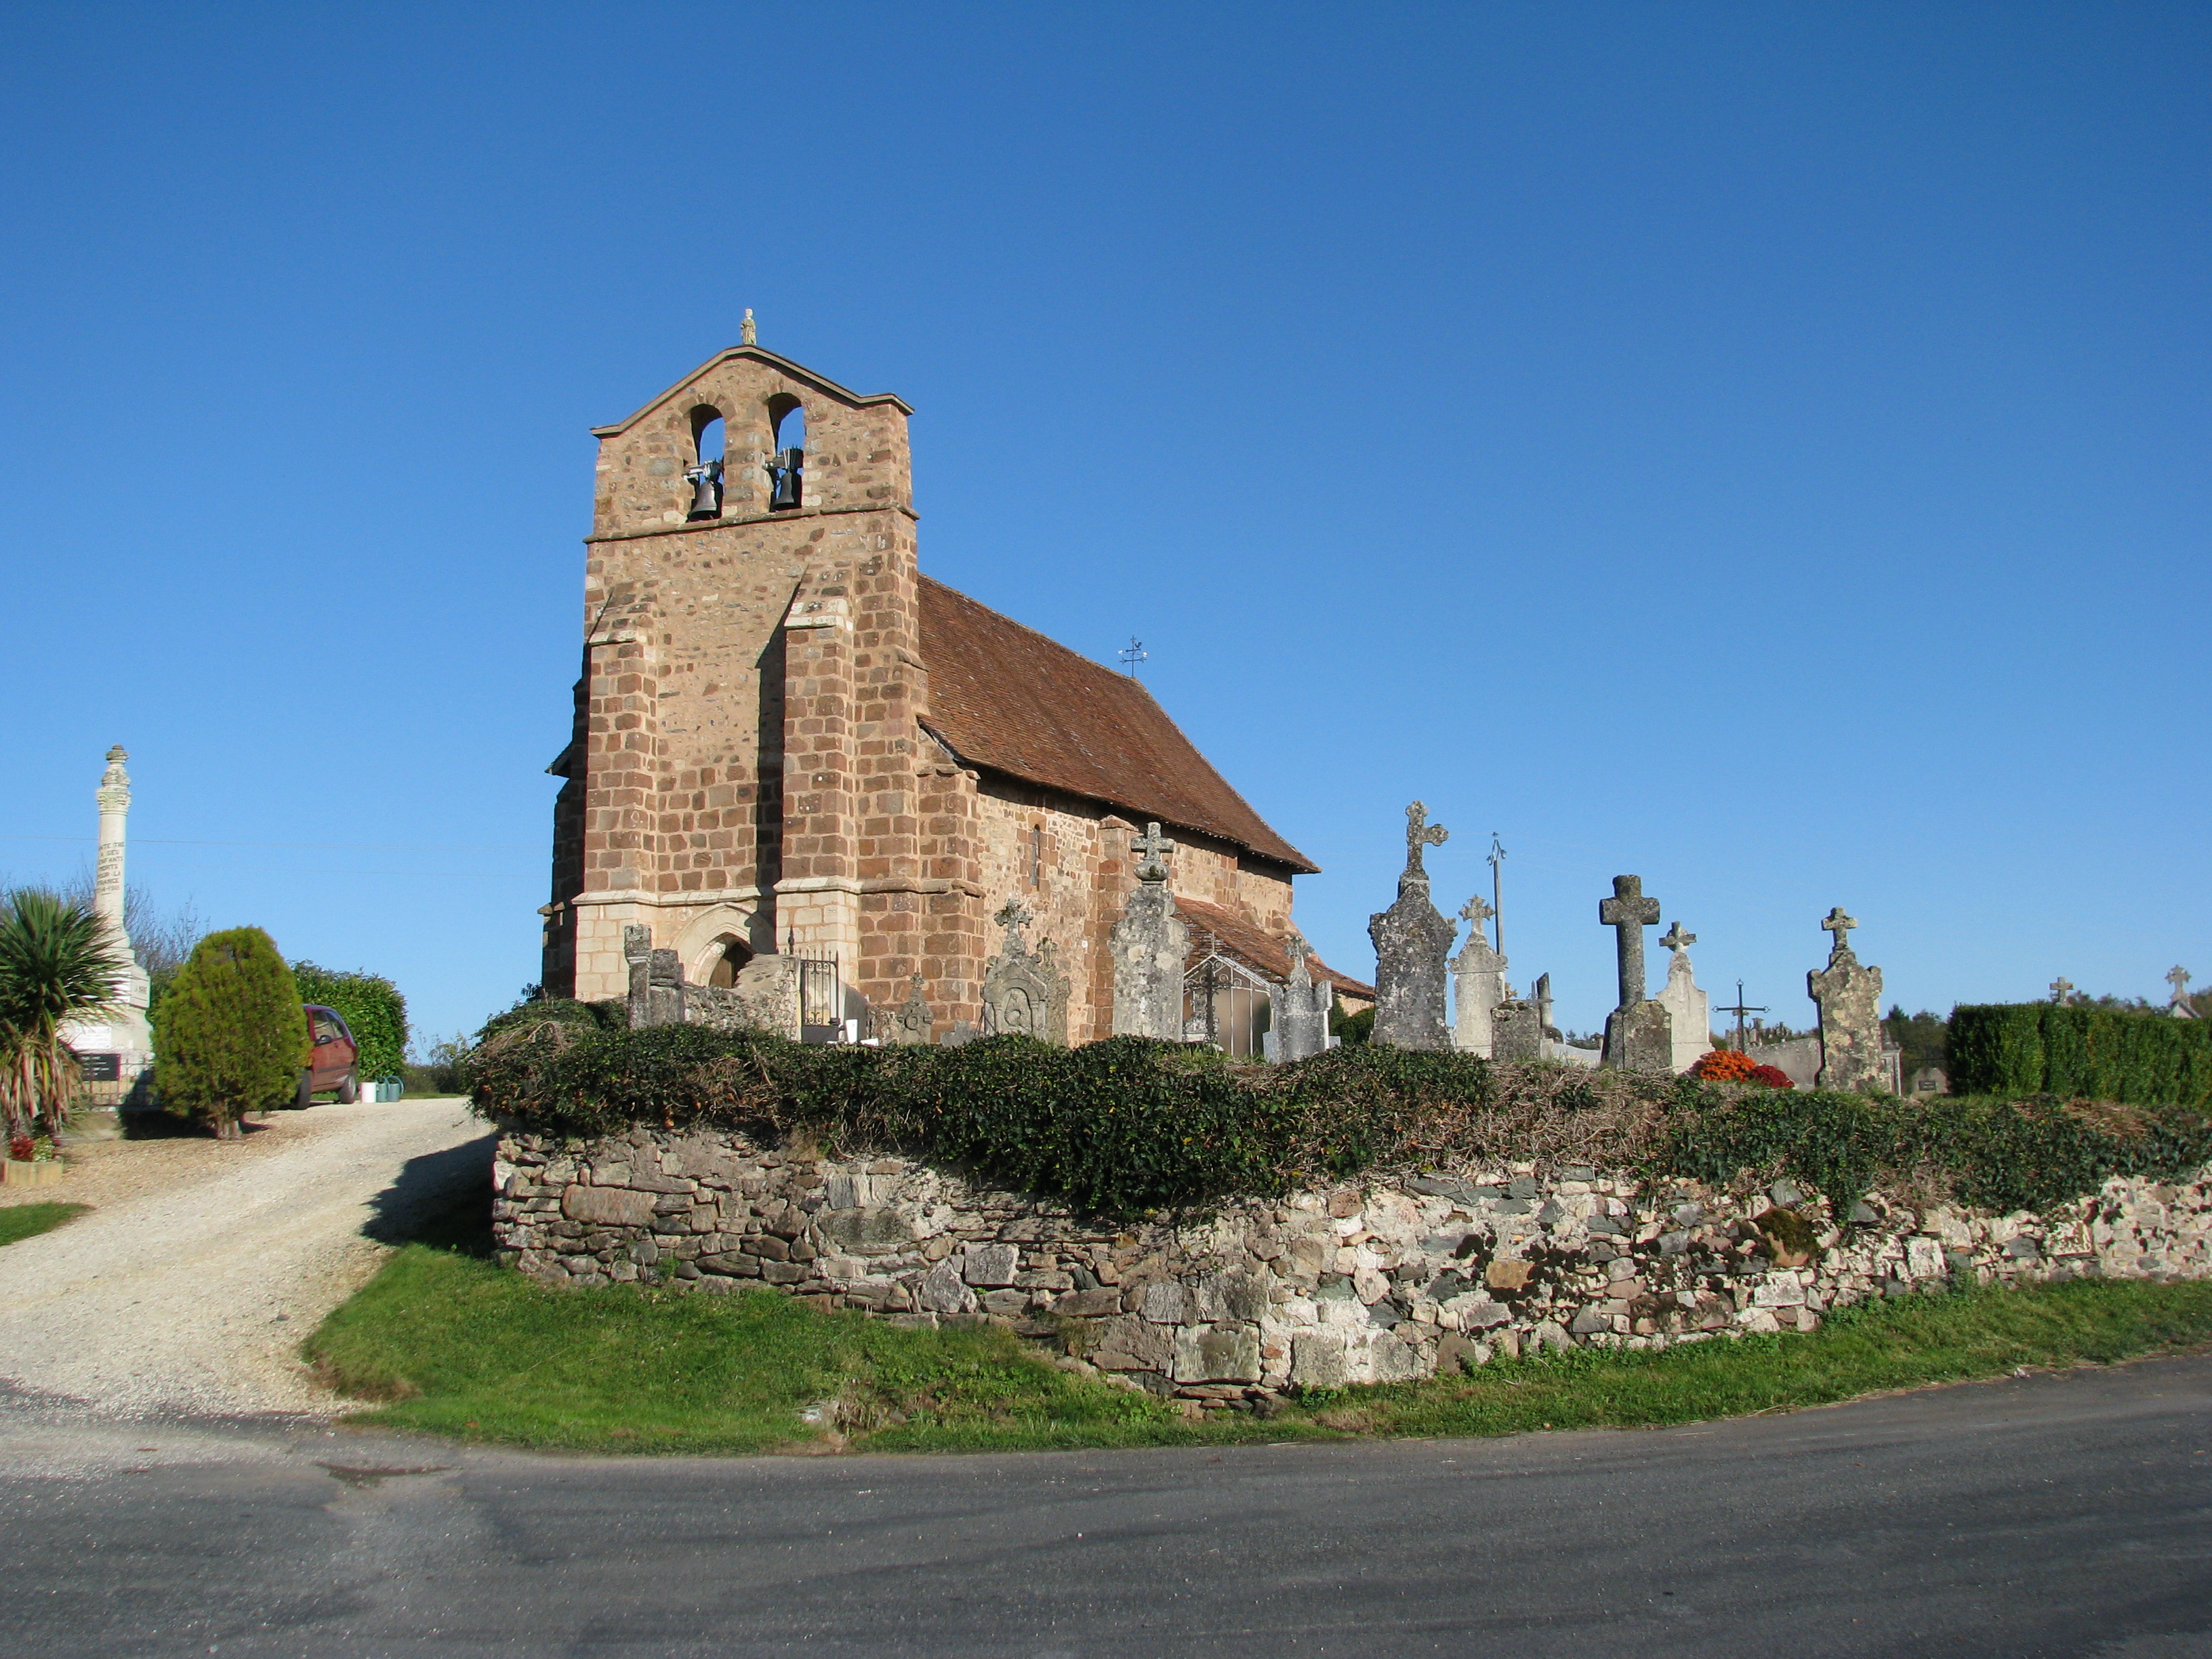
point(59, 962)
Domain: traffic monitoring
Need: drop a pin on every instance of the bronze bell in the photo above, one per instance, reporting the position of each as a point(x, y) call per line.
point(706, 481)
point(788, 470)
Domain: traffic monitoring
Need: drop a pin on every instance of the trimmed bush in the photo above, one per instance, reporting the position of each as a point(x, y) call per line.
point(1128, 1125)
point(231, 1036)
point(373, 1011)
point(2087, 1054)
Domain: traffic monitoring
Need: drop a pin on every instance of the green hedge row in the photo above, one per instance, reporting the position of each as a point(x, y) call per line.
point(2085, 1053)
point(1125, 1126)
point(373, 1011)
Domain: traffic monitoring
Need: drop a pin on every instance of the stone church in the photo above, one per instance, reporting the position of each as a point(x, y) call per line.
point(787, 740)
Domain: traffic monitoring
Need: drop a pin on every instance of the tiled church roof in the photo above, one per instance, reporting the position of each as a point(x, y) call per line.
point(1004, 696)
point(1256, 948)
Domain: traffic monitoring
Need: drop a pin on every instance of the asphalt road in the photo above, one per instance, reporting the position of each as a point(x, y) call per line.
point(2045, 1515)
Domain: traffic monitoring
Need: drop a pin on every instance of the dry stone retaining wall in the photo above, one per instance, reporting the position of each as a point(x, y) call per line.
point(1377, 1281)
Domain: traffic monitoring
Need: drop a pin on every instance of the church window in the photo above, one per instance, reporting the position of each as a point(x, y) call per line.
point(1036, 855)
point(705, 475)
point(786, 469)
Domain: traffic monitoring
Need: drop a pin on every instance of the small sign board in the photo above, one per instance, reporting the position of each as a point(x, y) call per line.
point(102, 1068)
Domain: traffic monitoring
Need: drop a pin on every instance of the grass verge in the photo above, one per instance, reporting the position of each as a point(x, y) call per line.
point(445, 1342)
point(19, 1221)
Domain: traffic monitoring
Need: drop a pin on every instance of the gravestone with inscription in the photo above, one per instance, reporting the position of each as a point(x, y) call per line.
point(1639, 1035)
point(1849, 995)
point(1150, 946)
point(1412, 940)
point(910, 1023)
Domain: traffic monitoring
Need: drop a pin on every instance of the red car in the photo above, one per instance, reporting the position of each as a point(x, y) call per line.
point(337, 1063)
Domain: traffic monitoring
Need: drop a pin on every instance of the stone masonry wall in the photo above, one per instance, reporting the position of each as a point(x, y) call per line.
point(1368, 1282)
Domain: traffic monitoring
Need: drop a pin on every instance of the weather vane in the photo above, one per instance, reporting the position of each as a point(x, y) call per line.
point(1132, 654)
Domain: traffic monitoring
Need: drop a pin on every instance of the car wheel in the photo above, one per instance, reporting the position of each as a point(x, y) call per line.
point(350, 1091)
point(307, 1089)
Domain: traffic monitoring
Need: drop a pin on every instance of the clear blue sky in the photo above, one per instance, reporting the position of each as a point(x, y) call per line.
point(1762, 448)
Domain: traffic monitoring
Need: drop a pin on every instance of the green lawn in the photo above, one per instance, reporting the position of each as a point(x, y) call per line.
point(448, 1343)
point(28, 1220)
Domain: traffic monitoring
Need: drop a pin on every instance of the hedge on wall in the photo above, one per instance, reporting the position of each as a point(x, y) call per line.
point(373, 1011)
point(2087, 1054)
point(1128, 1125)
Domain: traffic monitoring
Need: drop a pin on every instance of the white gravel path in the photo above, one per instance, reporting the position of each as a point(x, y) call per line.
point(190, 1295)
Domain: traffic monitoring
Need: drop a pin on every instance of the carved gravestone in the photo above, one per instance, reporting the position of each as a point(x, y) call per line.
point(1024, 991)
point(1298, 1009)
point(1412, 940)
point(1516, 1031)
point(656, 981)
point(1688, 1010)
point(1479, 982)
point(1149, 946)
point(1639, 1035)
point(908, 1023)
point(1849, 996)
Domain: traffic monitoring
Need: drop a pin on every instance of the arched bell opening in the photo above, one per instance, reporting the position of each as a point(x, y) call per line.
point(708, 436)
point(786, 469)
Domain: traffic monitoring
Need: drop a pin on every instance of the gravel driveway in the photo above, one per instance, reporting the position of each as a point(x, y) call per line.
point(189, 1287)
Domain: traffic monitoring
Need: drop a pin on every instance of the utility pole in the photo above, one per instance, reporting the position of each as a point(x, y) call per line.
point(1740, 1011)
point(1498, 891)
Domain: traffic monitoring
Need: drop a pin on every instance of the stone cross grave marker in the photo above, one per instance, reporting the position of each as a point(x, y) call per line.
point(1411, 942)
point(2062, 990)
point(1479, 975)
point(1849, 996)
point(910, 1025)
point(1689, 1012)
point(1298, 1012)
point(1149, 947)
point(1639, 1035)
point(2179, 1006)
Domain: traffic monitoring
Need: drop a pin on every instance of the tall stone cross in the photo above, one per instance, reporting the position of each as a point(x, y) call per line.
point(1475, 913)
point(1676, 940)
point(1299, 949)
point(2178, 978)
point(1840, 925)
point(1630, 912)
point(1420, 833)
point(1150, 849)
point(2060, 988)
point(1013, 916)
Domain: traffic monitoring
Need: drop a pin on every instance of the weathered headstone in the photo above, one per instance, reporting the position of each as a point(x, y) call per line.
point(1849, 996)
point(1639, 1035)
point(1298, 1009)
point(1516, 1030)
point(1412, 940)
point(1024, 991)
point(2062, 990)
point(1479, 982)
point(1149, 946)
point(656, 980)
point(1688, 1010)
point(910, 1023)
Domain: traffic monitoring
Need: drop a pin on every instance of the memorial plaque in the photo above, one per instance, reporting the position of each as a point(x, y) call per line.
point(102, 1068)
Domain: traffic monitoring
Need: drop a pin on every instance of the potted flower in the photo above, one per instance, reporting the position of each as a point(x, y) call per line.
point(32, 1161)
point(1734, 1065)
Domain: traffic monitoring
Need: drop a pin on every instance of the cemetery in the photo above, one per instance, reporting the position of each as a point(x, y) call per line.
point(1223, 1228)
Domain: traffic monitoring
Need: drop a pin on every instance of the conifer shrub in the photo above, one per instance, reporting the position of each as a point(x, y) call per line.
point(2087, 1052)
point(231, 1036)
point(373, 1011)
